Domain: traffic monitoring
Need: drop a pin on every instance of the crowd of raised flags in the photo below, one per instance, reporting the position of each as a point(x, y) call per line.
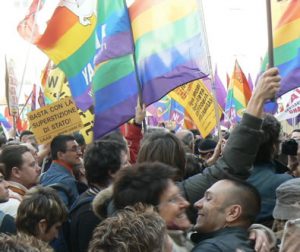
point(110, 54)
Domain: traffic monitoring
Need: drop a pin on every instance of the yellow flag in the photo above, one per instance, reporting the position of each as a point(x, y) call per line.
point(199, 103)
point(57, 88)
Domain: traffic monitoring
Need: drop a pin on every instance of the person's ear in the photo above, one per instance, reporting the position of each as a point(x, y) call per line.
point(15, 172)
point(233, 212)
point(42, 226)
point(60, 155)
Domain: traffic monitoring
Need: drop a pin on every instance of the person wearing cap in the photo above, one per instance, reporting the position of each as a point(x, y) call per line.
point(206, 148)
point(287, 205)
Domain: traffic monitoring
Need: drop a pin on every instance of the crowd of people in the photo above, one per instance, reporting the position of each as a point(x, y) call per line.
point(135, 191)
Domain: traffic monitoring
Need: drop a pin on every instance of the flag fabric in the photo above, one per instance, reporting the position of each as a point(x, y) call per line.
point(33, 98)
point(250, 82)
point(286, 37)
point(11, 84)
point(238, 95)
point(167, 47)
point(45, 73)
point(161, 110)
point(227, 80)
point(4, 122)
point(41, 98)
point(69, 40)
point(220, 91)
point(166, 110)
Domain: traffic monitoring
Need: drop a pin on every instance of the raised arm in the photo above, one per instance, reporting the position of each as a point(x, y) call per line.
point(242, 145)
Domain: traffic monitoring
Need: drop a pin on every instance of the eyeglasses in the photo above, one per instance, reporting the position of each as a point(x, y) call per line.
point(178, 198)
point(75, 149)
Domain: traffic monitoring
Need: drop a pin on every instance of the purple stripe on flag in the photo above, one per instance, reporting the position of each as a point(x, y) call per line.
point(159, 87)
point(114, 47)
point(290, 82)
point(84, 101)
point(121, 112)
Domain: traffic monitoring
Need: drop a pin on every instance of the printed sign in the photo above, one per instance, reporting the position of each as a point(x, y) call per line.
point(60, 117)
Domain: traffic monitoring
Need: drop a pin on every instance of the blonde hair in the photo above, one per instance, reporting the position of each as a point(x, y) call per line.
point(133, 229)
point(22, 242)
point(40, 203)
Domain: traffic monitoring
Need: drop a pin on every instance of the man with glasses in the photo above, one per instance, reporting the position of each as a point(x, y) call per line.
point(65, 153)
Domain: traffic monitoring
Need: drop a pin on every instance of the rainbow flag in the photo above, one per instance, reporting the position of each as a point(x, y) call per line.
point(4, 122)
point(167, 46)
point(286, 40)
point(69, 41)
point(238, 95)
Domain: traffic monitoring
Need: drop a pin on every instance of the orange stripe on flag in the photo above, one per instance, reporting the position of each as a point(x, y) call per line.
point(139, 6)
point(292, 13)
point(61, 21)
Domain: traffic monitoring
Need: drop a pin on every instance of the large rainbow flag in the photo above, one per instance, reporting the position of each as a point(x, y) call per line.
point(238, 95)
point(286, 40)
point(167, 46)
point(68, 40)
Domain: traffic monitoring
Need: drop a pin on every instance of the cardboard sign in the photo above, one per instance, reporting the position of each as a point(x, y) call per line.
point(57, 86)
point(58, 118)
point(199, 103)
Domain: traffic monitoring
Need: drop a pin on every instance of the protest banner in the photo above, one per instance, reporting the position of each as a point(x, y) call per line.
point(198, 102)
point(11, 83)
point(60, 117)
point(58, 87)
point(288, 105)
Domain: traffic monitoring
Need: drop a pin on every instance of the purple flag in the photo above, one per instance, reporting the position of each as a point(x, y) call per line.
point(220, 90)
point(250, 82)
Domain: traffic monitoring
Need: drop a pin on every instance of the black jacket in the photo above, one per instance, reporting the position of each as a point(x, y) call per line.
point(225, 240)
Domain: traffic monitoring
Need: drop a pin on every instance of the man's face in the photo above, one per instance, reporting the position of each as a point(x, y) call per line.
point(72, 154)
point(29, 172)
point(4, 195)
point(211, 210)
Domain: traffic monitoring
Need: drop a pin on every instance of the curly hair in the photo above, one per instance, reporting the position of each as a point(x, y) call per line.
point(133, 229)
point(143, 182)
point(23, 243)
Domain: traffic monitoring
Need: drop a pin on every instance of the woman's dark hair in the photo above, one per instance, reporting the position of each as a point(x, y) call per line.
point(271, 133)
point(144, 182)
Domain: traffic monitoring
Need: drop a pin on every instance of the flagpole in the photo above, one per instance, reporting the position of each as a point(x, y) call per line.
point(216, 106)
point(139, 84)
point(270, 37)
point(28, 53)
point(25, 104)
